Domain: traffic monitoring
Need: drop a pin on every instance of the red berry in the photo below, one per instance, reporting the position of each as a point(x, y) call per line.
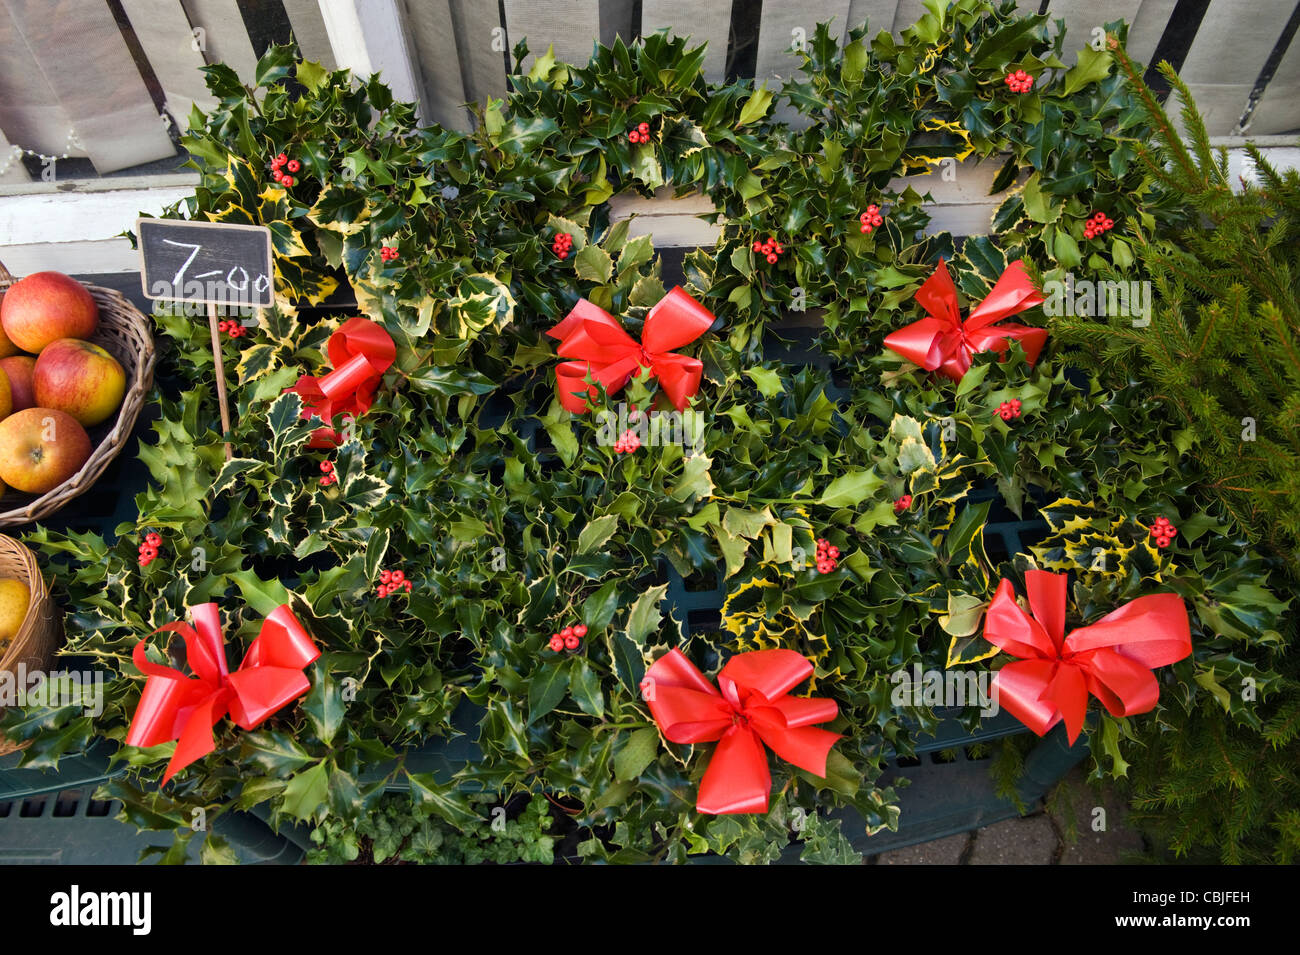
point(865, 228)
point(580, 630)
point(771, 258)
point(632, 137)
point(878, 220)
point(288, 180)
point(281, 159)
point(1171, 531)
point(381, 590)
point(834, 552)
point(385, 576)
point(758, 246)
point(327, 466)
point(566, 632)
point(398, 576)
point(556, 643)
point(643, 128)
point(571, 642)
point(779, 249)
point(406, 584)
point(1162, 541)
point(293, 165)
point(1109, 224)
point(562, 254)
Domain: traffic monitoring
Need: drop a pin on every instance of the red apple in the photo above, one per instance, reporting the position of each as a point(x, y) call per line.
point(19, 370)
point(46, 306)
point(80, 378)
point(40, 448)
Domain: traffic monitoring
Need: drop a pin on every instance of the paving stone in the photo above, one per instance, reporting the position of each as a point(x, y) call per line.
point(1028, 841)
point(945, 851)
point(1117, 843)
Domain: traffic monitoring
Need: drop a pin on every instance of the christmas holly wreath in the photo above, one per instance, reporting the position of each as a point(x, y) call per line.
point(624, 547)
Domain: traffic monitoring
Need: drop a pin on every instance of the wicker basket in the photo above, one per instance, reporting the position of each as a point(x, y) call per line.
point(126, 335)
point(41, 632)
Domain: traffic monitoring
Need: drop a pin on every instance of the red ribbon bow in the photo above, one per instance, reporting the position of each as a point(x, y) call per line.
point(1112, 659)
point(612, 356)
point(175, 707)
point(360, 351)
point(751, 710)
point(945, 343)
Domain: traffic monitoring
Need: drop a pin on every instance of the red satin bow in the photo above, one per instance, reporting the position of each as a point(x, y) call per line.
point(175, 707)
point(751, 710)
point(612, 356)
point(1112, 659)
point(360, 352)
point(945, 343)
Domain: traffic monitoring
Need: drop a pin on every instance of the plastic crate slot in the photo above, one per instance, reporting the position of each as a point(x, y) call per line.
point(943, 756)
point(907, 762)
point(703, 621)
point(99, 807)
point(66, 803)
point(32, 808)
point(702, 581)
point(5, 809)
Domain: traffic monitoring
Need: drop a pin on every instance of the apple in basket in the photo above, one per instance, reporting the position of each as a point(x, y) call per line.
point(47, 306)
point(40, 448)
point(80, 378)
point(18, 369)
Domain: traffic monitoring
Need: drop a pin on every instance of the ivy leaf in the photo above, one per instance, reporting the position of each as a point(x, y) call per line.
point(636, 754)
point(593, 264)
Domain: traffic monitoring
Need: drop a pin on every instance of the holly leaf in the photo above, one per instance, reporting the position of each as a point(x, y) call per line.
point(636, 754)
point(593, 264)
point(306, 792)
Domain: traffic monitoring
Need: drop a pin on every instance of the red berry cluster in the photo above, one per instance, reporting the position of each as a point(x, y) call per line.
point(639, 135)
point(149, 549)
point(902, 504)
point(570, 638)
point(771, 248)
point(562, 244)
point(871, 219)
point(1096, 225)
point(628, 442)
point(828, 556)
point(1009, 409)
point(281, 163)
point(327, 475)
point(391, 581)
point(232, 328)
point(1019, 81)
point(1163, 532)
point(388, 253)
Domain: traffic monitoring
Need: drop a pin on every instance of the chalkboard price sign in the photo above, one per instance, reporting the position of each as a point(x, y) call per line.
point(215, 262)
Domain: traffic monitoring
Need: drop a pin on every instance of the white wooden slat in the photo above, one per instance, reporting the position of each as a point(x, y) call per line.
point(1279, 109)
point(30, 113)
point(783, 23)
point(438, 57)
point(90, 68)
point(704, 22)
point(224, 34)
point(1227, 55)
point(1082, 16)
point(477, 28)
point(370, 36)
point(1147, 27)
point(173, 51)
point(16, 172)
point(878, 15)
point(309, 30)
point(571, 26)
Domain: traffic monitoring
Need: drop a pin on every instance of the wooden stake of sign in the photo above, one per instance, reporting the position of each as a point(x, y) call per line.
point(222, 400)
